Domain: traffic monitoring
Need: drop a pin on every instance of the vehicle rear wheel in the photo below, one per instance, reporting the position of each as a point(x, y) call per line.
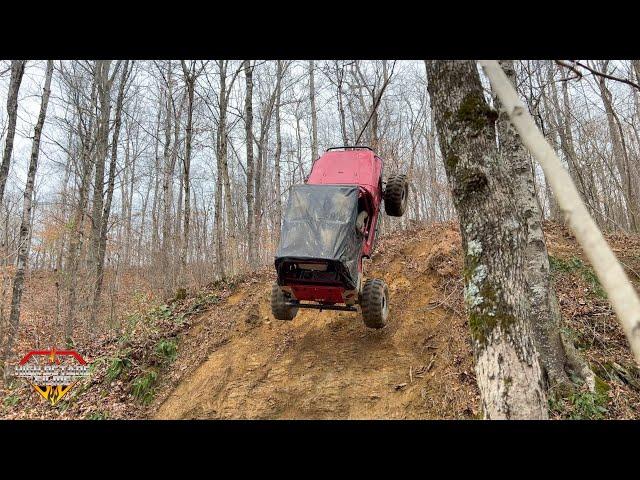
point(279, 307)
point(396, 193)
point(375, 303)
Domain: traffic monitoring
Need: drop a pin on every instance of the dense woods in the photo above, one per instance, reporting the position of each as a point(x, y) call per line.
point(167, 175)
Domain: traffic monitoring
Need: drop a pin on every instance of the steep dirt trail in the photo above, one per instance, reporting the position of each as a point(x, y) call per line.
point(235, 361)
point(328, 364)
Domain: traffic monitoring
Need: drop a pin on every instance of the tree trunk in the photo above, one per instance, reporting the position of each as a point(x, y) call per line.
point(621, 160)
point(106, 212)
point(190, 81)
point(554, 212)
point(173, 116)
point(343, 123)
point(314, 115)
point(25, 225)
point(167, 197)
point(75, 243)
point(248, 113)
point(278, 152)
point(494, 241)
point(223, 166)
point(17, 71)
point(220, 251)
point(261, 166)
point(102, 144)
point(556, 356)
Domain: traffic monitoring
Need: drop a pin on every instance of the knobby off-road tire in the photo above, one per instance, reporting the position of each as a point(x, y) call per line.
point(279, 307)
point(396, 193)
point(375, 303)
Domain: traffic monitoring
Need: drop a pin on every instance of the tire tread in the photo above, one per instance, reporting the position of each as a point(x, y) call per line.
point(371, 303)
point(278, 308)
point(393, 204)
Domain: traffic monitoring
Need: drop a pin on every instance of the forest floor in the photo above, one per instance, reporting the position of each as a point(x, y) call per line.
point(218, 352)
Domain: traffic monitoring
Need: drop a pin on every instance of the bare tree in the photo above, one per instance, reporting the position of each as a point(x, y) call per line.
point(278, 152)
point(25, 225)
point(106, 208)
point(17, 71)
point(494, 241)
point(104, 81)
point(75, 79)
point(621, 292)
point(558, 356)
point(190, 78)
point(266, 115)
point(223, 164)
point(314, 116)
point(248, 114)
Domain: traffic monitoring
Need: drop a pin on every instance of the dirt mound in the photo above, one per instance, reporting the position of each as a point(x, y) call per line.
point(219, 353)
point(328, 364)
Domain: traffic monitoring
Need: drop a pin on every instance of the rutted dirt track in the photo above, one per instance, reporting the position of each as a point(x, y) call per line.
point(242, 363)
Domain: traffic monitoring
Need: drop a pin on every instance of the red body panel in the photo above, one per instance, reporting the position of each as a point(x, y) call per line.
point(351, 167)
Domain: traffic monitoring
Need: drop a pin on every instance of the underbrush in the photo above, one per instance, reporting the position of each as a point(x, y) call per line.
point(575, 265)
point(124, 369)
point(583, 404)
point(589, 322)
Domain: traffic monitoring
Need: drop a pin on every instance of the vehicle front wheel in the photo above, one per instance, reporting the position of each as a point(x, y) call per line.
point(375, 303)
point(279, 307)
point(396, 192)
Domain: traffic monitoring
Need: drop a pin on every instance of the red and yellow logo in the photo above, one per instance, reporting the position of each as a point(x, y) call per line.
point(52, 373)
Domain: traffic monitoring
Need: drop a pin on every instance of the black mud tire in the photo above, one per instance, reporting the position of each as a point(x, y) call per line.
point(279, 307)
point(374, 303)
point(396, 193)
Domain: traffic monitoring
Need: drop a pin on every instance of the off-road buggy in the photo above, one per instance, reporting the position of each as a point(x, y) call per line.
point(329, 226)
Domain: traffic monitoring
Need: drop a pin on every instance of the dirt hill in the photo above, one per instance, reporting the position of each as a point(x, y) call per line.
point(328, 364)
point(219, 353)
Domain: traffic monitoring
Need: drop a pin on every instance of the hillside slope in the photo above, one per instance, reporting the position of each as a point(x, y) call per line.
point(328, 364)
point(219, 353)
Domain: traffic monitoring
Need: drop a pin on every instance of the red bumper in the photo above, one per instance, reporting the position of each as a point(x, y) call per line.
point(321, 294)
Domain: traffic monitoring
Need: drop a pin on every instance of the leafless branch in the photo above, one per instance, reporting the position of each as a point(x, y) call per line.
point(593, 71)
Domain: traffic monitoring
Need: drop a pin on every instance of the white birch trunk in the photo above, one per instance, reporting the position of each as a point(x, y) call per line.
point(622, 295)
